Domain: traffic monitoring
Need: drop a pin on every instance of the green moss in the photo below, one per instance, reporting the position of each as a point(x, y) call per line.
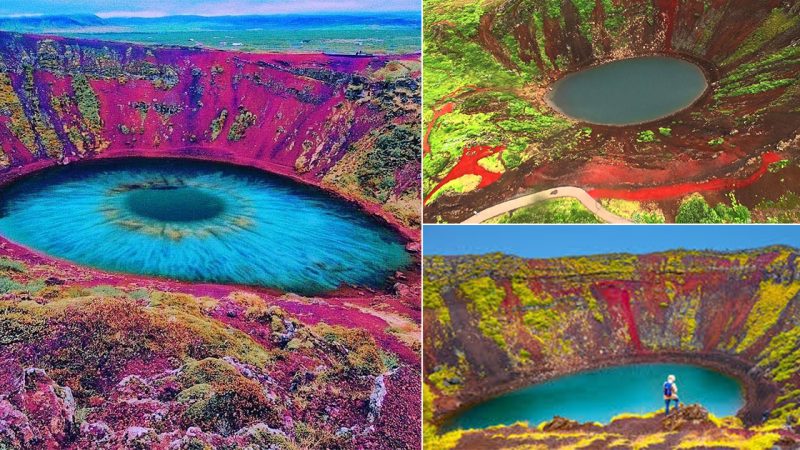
point(244, 119)
point(194, 393)
point(7, 264)
point(8, 285)
point(778, 165)
point(716, 141)
point(486, 298)
point(21, 322)
point(541, 320)
point(776, 24)
point(786, 209)
point(40, 120)
point(646, 136)
point(88, 105)
point(634, 211)
point(17, 122)
point(218, 124)
point(560, 210)
point(393, 151)
point(211, 337)
point(208, 370)
point(695, 209)
point(751, 89)
point(665, 131)
point(362, 355)
point(649, 217)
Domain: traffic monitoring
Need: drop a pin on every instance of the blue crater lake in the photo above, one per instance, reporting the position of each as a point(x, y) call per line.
point(202, 222)
point(599, 395)
point(629, 91)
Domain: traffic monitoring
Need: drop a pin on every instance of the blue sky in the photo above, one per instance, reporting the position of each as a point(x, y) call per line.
point(158, 8)
point(543, 241)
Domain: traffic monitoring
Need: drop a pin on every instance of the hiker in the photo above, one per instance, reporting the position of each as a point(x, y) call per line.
point(671, 393)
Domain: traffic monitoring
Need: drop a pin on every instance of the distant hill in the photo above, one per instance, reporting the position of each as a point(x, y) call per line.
point(40, 23)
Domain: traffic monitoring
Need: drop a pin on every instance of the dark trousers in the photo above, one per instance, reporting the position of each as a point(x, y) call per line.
point(668, 400)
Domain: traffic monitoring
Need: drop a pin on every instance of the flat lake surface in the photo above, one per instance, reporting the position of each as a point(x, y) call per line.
point(200, 221)
point(629, 91)
point(599, 395)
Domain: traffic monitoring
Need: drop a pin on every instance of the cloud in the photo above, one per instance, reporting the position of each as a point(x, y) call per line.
point(160, 8)
point(143, 14)
point(22, 15)
point(238, 7)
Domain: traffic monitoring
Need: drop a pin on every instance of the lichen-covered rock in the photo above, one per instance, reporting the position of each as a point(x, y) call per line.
point(35, 411)
point(686, 415)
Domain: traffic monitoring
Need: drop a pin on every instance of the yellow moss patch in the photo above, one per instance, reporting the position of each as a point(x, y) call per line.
point(18, 122)
point(432, 299)
point(464, 183)
point(623, 416)
point(640, 442)
point(757, 442)
point(492, 163)
point(772, 299)
point(486, 299)
point(527, 297)
point(214, 336)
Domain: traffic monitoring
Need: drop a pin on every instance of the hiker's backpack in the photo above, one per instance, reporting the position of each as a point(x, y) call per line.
point(668, 389)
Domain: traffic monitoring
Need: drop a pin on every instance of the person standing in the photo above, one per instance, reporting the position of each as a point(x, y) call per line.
point(671, 393)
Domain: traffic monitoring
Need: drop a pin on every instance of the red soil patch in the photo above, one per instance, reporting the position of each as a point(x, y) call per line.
point(669, 10)
point(619, 301)
point(468, 165)
point(682, 189)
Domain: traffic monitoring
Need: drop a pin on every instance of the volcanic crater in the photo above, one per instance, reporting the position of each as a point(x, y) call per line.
point(94, 358)
point(491, 135)
point(495, 323)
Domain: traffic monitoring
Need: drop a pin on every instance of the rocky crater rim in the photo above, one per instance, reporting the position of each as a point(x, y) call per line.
point(188, 48)
point(707, 68)
point(759, 392)
point(752, 250)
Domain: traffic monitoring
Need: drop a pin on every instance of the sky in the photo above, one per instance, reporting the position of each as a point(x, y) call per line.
point(159, 8)
point(545, 241)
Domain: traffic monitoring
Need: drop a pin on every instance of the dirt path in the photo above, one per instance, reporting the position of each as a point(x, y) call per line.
point(560, 192)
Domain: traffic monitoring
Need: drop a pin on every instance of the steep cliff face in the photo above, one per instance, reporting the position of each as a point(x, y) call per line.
point(348, 124)
point(489, 65)
point(495, 322)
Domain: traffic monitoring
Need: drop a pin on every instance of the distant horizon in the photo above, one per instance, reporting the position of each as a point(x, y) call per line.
point(551, 241)
point(209, 8)
point(335, 32)
point(311, 13)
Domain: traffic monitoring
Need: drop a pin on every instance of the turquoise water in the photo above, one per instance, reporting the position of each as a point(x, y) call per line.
point(199, 221)
point(629, 91)
point(599, 395)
